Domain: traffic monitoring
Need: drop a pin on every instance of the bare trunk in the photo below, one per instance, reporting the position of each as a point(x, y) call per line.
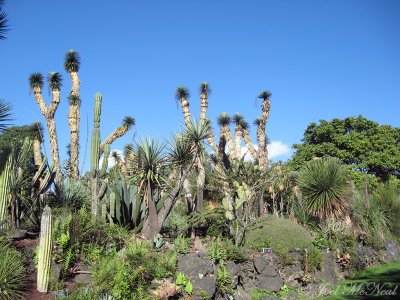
point(229, 141)
point(204, 107)
point(261, 145)
point(117, 133)
point(51, 125)
point(211, 141)
point(74, 124)
point(238, 141)
point(37, 153)
point(201, 179)
point(150, 226)
point(249, 144)
point(186, 111)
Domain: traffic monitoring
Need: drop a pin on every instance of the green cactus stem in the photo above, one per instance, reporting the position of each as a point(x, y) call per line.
point(5, 197)
point(45, 247)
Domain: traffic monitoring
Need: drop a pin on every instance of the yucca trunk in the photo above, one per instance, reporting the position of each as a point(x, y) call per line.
point(48, 114)
point(238, 141)
point(211, 141)
point(228, 138)
point(186, 111)
point(263, 151)
point(204, 107)
point(261, 145)
point(37, 152)
point(117, 133)
point(51, 125)
point(201, 180)
point(249, 144)
point(74, 124)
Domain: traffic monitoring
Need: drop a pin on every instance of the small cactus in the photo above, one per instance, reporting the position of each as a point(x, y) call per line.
point(44, 251)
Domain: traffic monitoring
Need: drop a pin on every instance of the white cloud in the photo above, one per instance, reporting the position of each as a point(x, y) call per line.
point(275, 149)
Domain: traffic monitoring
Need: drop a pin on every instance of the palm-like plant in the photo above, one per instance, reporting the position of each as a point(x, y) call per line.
point(3, 21)
point(182, 94)
point(127, 123)
point(5, 114)
point(37, 137)
point(324, 185)
point(262, 148)
point(72, 63)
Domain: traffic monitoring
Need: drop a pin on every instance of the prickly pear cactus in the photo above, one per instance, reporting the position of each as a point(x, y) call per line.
point(45, 245)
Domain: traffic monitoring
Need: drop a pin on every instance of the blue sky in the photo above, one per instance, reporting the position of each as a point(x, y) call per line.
point(320, 59)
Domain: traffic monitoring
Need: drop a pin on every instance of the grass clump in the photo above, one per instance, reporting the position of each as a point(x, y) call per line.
point(280, 234)
point(12, 272)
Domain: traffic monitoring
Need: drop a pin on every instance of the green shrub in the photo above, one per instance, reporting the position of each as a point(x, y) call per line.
point(223, 281)
point(128, 274)
point(280, 234)
point(12, 272)
point(314, 259)
point(221, 250)
point(181, 244)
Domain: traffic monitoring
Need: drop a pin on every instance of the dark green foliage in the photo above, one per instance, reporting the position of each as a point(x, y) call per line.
point(181, 244)
point(314, 256)
point(324, 185)
point(12, 272)
point(224, 119)
point(36, 80)
point(132, 270)
point(54, 80)
point(363, 144)
point(280, 234)
point(72, 61)
point(71, 194)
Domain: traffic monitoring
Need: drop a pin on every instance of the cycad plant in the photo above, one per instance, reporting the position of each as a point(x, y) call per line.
point(325, 186)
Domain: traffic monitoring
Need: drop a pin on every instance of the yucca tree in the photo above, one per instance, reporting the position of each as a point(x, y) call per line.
point(182, 95)
point(5, 114)
point(71, 65)
point(3, 22)
point(238, 120)
point(204, 93)
point(262, 145)
point(246, 137)
point(211, 138)
point(127, 123)
point(324, 184)
point(36, 84)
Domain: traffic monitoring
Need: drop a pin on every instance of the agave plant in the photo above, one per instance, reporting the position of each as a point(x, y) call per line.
point(324, 185)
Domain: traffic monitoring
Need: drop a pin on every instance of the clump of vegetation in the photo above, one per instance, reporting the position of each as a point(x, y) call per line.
point(280, 234)
point(222, 250)
point(12, 272)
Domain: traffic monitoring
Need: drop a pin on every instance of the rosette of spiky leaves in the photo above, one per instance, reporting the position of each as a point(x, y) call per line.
point(127, 123)
point(205, 88)
point(54, 80)
point(74, 99)
point(264, 95)
point(257, 121)
point(148, 162)
point(36, 80)
point(324, 185)
point(5, 114)
point(181, 93)
point(3, 22)
point(72, 61)
point(180, 151)
point(224, 119)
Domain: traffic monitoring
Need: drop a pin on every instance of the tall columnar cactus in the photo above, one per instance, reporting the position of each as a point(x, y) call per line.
point(45, 246)
point(97, 191)
point(5, 196)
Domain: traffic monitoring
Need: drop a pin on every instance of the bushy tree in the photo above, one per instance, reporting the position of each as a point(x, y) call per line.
point(363, 144)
